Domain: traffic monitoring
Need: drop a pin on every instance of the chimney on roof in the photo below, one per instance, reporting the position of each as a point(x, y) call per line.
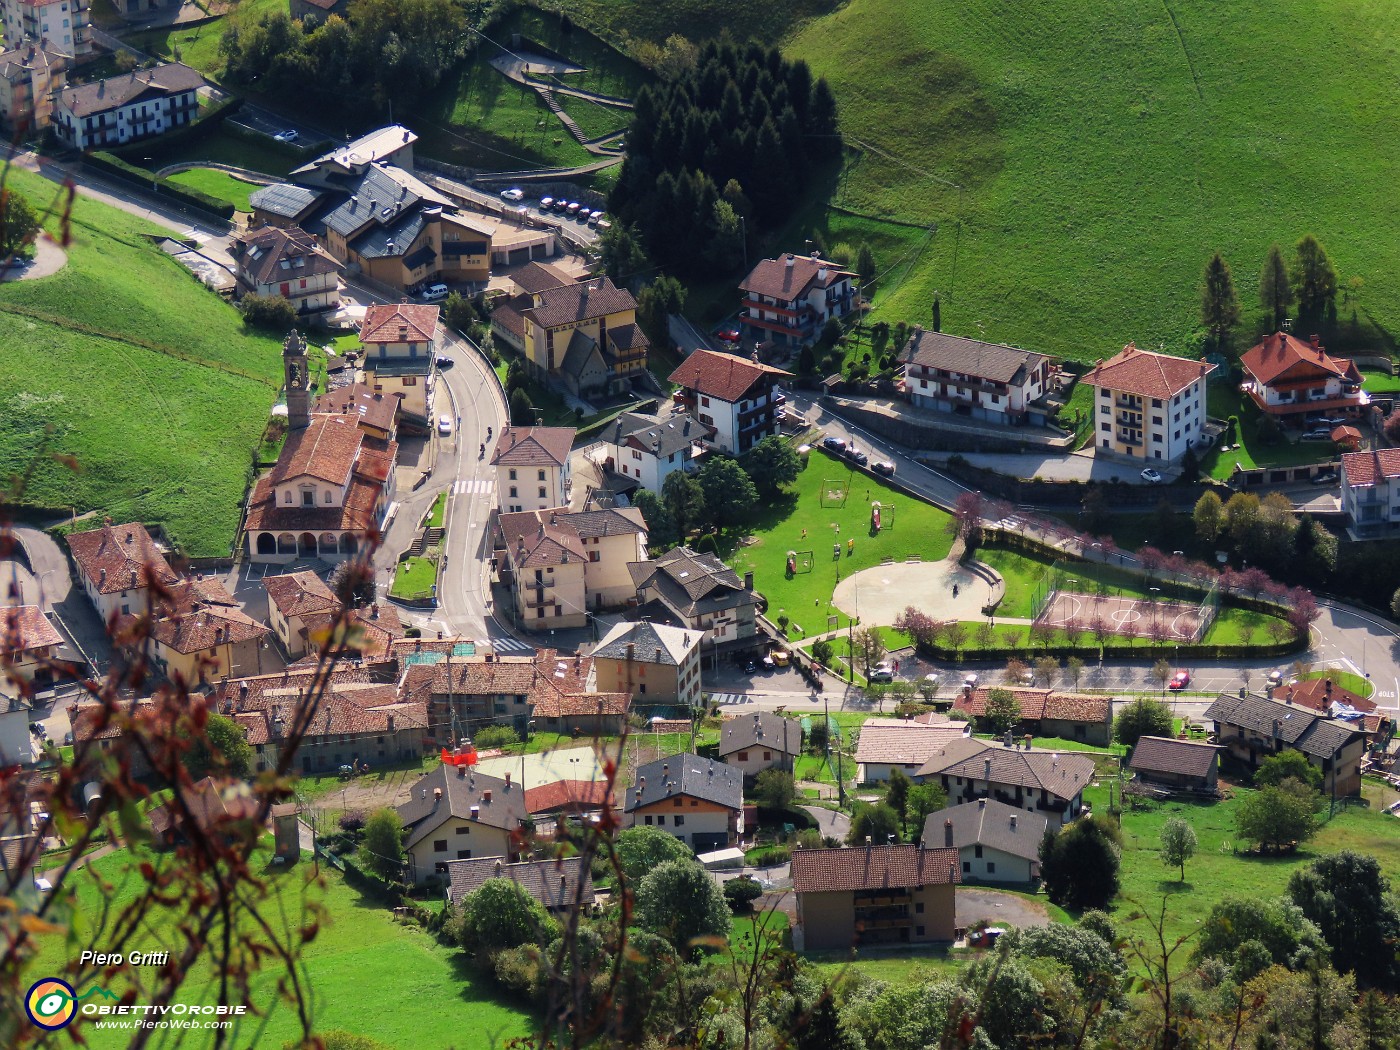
point(437, 795)
point(748, 581)
point(101, 577)
point(391, 723)
point(498, 865)
point(507, 780)
point(1314, 341)
point(486, 795)
point(1013, 822)
point(987, 772)
point(981, 803)
point(789, 261)
point(948, 833)
point(1278, 726)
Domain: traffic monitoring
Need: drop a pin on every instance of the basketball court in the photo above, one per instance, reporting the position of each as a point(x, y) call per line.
point(1126, 616)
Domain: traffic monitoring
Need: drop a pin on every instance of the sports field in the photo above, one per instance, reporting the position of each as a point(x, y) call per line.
point(1131, 617)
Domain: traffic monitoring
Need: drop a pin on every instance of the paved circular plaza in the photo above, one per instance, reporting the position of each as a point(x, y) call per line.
point(879, 594)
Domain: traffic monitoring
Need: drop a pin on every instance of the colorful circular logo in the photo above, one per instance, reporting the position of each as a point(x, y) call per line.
point(51, 1003)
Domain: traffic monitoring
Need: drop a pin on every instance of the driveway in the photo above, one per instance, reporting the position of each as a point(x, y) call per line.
point(974, 905)
point(830, 823)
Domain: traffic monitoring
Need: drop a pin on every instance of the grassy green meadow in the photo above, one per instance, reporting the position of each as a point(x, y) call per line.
point(218, 184)
point(1104, 151)
point(360, 947)
point(125, 363)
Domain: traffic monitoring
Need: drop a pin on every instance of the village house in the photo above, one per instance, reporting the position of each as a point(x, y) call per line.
point(376, 412)
point(331, 485)
point(366, 633)
point(16, 741)
point(377, 216)
point(532, 468)
point(317, 11)
point(698, 800)
point(558, 800)
point(1252, 728)
point(1045, 712)
point(995, 842)
point(1175, 765)
point(986, 381)
point(94, 730)
point(558, 884)
point(875, 894)
point(644, 450)
point(763, 740)
point(584, 336)
point(290, 599)
point(566, 698)
point(507, 314)
point(1371, 492)
point(30, 76)
point(455, 813)
point(30, 642)
point(399, 340)
point(1292, 380)
point(654, 663)
point(117, 564)
point(787, 301)
point(1148, 406)
point(286, 262)
point(226, 811)
point(127, 107)
point(700, 593)
point(562, 564)
point(1049, 783)
point(200, 632)
point(1323, 696)
point(736, 396)
point(355, 717)
point(61, 26)
point(886, 744)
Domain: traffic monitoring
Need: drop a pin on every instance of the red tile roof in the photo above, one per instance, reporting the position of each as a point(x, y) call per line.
point(356, 515)
point(1146, 373)
point(399, 323)
point(371, 630)
point(541, 537)
point(1038, 704)
point(1371, 468)
point(784, 282)
point(568, 794)
point(724, 376)
point(375, 410)
point(127, 553)
point(212, 806)
point(1281, 353)
point(326, 449)
point(1317, 694)
point(200, 615)
point(533, 446)
point(299, 593)
point(873, 868)
point(24, 628)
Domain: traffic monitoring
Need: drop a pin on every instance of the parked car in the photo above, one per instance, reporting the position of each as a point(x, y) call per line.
point(546, 204)
point(595, 218)
point(882, 673)
point(781, 658)
point(433, 292)
point(1150, 476)
point(1180, 680)
point(561, 206)
point(932, 679)
point(729, 335)
point(1327, 477)
point(289, 135)
point(884, 467)
point(970, 679)
point(750, 668)
point(444, 361)
point(444, 425)
point(513, 195)
point(1318, 434)
point(857, 455)
point(835, 444)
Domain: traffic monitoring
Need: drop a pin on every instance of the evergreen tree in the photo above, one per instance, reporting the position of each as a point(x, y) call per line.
point(522, 409)
point(822, 125)
point(1220, 311)
point(683, 497)
point(1275, 292)
point(622, 257)
point(865, 267)
point(1314, 278)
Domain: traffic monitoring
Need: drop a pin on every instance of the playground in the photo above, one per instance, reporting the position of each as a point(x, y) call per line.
point(1132, 617)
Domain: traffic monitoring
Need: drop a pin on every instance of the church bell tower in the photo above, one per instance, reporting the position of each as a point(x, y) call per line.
point(295, 374)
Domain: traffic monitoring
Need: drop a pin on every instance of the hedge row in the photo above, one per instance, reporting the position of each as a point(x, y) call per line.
point(1061, 650)
point(114, 165)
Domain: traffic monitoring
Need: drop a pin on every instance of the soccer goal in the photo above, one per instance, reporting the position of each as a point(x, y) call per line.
point(799, 561)
point(835, 491)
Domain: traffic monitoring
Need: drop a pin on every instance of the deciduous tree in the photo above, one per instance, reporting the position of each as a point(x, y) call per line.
point(1178, 844)
point(771, 464)
point(499, 915)
point(381, 852)
point(878, 822)
point(1279, 814)
point(775, 789)
point(19, 225)
point(1003, 710)
point(1208, 517)
point(1348, 898)
point(641, 849)
point(223, 749)
point(1142, 717)
point(868, 648)
point(684, 498)
point(729, 494)
point(680, 901)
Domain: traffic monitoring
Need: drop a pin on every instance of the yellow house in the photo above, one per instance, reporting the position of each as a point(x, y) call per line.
point(399, 339)
point(293, 598)
point(30, 642)
point(584, 335)
point(201, 634)
point(30, 75)
point(657, 664)
point(456, 814)
point(1148, 406)
point(875, 895)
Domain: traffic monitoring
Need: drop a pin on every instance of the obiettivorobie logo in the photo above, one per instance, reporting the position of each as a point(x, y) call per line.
point(52, 1003)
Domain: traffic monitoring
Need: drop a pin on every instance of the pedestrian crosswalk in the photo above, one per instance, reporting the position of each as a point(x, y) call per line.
point(724, 699)
point(479, 486)
point(511, 645)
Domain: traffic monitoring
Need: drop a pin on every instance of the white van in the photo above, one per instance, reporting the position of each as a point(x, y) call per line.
point(433, 292)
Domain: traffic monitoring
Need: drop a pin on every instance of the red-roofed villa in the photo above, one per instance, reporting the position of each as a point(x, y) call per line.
point(1148, 406)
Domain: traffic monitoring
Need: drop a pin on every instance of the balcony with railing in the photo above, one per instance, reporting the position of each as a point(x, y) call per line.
point(1130, 437)
point(1128, 401)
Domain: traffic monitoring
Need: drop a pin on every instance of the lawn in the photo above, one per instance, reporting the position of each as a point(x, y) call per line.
point(1023, 129)
point(919, 530)
point(1216, 872)
point(1223, 402)
point(359, 947)
point(1377, 382)
point(219, 184)
point(220, 146)
point(415, 578)
point(198, 46)
point(697, 19)
point(148, 380)
point(437, 513)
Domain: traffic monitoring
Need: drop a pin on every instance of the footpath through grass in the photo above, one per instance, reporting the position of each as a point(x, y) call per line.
point(918, 530)
point(148, 380)
point(360, 947)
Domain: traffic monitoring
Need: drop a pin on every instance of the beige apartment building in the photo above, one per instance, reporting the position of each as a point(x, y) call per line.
point(655, 663)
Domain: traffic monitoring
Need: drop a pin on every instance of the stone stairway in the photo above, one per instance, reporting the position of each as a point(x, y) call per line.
point(547, 94)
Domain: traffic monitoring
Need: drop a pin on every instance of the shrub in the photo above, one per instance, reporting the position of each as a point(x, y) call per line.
point(268, 311)
point(740, 893)
point(352, 821)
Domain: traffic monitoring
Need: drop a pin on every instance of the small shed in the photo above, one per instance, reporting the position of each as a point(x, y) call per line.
point(721, 859)
point(1176, 764)
point(285, 833)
